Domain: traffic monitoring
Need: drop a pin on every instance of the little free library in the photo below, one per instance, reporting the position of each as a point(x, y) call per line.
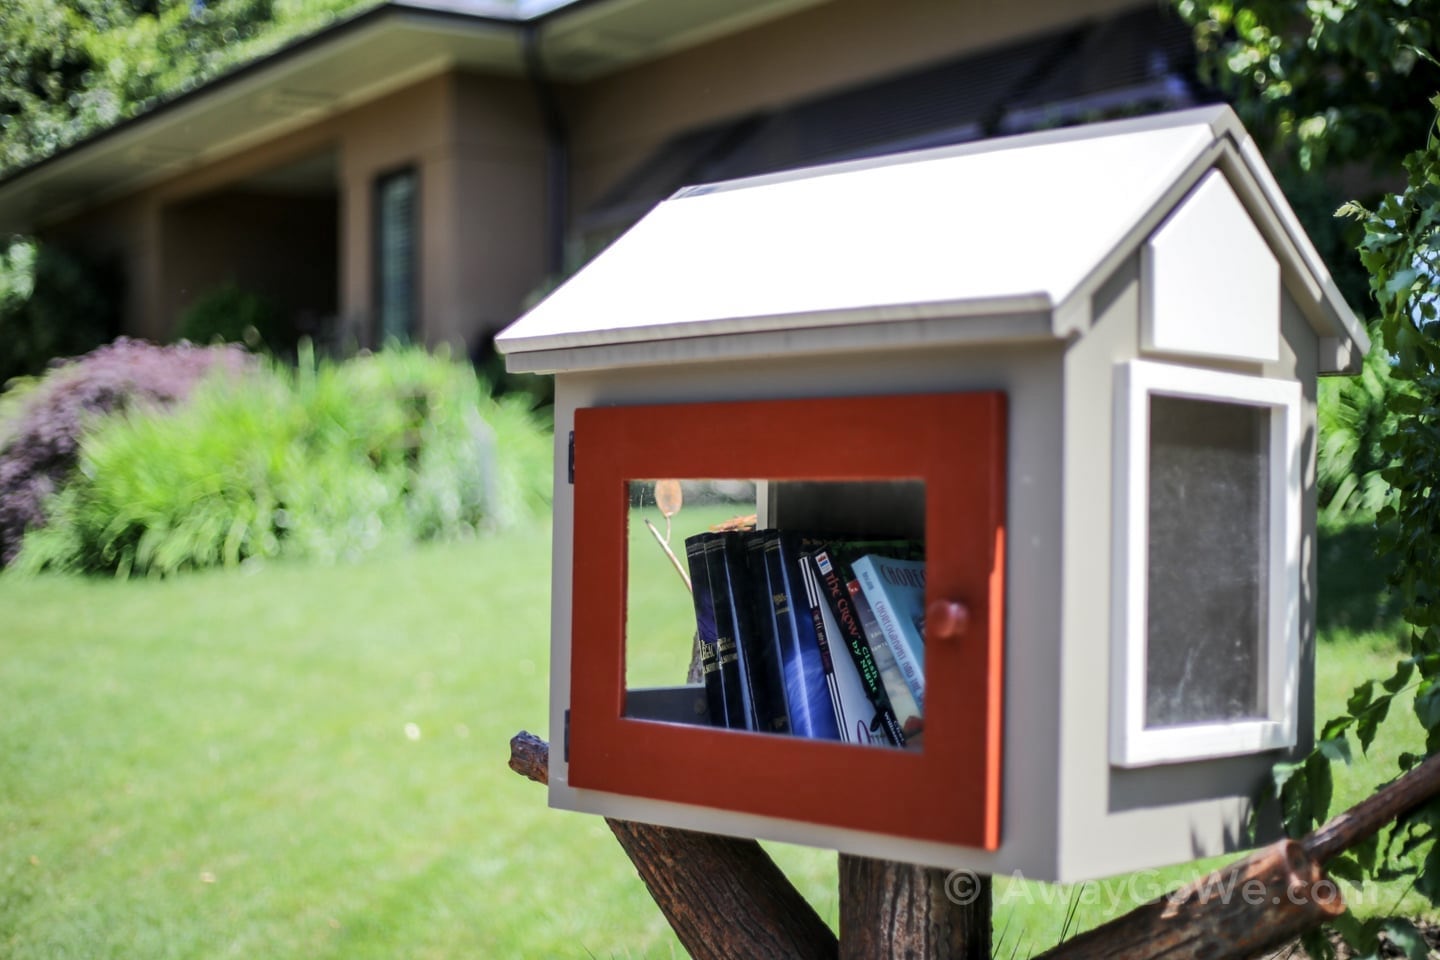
point(954, 507)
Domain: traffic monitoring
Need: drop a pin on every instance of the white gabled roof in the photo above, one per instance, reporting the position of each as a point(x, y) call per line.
point(934, 244)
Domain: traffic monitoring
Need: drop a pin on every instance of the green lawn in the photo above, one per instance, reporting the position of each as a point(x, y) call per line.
point(296, 761)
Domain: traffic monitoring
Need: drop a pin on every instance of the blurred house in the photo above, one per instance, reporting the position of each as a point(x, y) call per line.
point(422, 169)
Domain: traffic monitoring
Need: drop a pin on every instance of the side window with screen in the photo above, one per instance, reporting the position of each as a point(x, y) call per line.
point(1207, 607)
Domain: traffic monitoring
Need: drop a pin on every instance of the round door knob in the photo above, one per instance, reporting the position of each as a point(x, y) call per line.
point(947, 620)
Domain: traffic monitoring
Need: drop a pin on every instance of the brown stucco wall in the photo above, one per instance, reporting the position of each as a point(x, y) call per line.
point(476, 145)
point(411, 128)
point(495, 253)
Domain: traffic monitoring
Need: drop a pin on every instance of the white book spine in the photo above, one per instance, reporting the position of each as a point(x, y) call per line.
point(853, 709)
point(895, 638)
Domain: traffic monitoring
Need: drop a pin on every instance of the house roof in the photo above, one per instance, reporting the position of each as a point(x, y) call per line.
point(1137, 61)
point(353, 61)
point(998, 239)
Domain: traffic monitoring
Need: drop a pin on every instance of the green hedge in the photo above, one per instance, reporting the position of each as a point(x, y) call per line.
point(323, 461)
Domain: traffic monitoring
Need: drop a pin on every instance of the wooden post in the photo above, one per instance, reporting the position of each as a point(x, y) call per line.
point(724, 897)
point(890, 909)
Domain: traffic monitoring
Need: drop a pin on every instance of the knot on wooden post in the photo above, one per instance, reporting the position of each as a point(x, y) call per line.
point(530, 757)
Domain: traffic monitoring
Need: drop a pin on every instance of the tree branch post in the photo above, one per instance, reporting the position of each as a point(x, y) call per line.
point(724, 897)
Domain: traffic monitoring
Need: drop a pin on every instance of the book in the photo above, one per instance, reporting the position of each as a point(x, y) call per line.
point(787, 631)
point(739, 711)
point(838, 596)
point(858, 719)
point(895, 590)
point(706, 636)
point(908, 710)
point(760, 666)
point(762, 658)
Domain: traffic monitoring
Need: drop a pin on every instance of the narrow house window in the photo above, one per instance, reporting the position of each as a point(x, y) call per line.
point(395, 267)
point(1207, 579)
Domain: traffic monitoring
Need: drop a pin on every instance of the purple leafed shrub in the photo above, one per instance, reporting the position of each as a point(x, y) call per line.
point(44, 446)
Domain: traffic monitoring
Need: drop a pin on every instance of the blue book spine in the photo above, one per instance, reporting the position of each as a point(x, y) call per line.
point(762, 663)
point(739, 710)
point(807, 690)
point(706, 635)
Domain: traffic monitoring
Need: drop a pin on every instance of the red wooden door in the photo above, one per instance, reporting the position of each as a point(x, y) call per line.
point(948, 792)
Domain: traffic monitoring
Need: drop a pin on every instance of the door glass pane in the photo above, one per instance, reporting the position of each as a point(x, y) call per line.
point(1208, 582)
point(800, 611)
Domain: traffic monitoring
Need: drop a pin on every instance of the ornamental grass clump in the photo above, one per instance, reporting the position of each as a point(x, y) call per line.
point(321, 461)
point(42, 428)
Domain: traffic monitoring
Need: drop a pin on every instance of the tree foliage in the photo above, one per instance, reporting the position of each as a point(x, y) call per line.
point(1401, 251)
point(52, 304)
point(1356, 416)
point(71, 67)
point(1336, 90)
point(1333, 91)
point(1327, 83)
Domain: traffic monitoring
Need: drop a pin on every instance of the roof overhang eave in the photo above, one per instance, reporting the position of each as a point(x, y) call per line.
point(1016, 319)
point(492, 37)
point(134, 153)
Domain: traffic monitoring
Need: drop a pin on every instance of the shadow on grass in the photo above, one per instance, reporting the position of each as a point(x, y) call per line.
point(1353, 592)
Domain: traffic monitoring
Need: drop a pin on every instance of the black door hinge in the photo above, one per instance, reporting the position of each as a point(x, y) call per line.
point(566, 744)
point(572, 457)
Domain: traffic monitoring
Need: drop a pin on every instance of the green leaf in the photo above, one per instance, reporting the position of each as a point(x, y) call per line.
point(1402, 281)
point(1404, 935)
point(1369, 722)
point(1317, 945)
point(1360, 698)
point(1346, 869)
point(1359, 935)
point(1367, 852)
point(1282, 773)
point(1404, 403)
point(1321, 782)
point(1428, 882)
point(1335, 727)
point(1337, 748)
point(1427, 705)
point(1404, 670)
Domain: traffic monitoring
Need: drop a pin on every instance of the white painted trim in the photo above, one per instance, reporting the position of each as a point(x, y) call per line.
point(835, 323)
point(1023, 325)
point(1132, 744)
point(1185, 310)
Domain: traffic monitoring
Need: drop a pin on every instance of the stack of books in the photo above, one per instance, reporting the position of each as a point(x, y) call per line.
point(812, 638)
